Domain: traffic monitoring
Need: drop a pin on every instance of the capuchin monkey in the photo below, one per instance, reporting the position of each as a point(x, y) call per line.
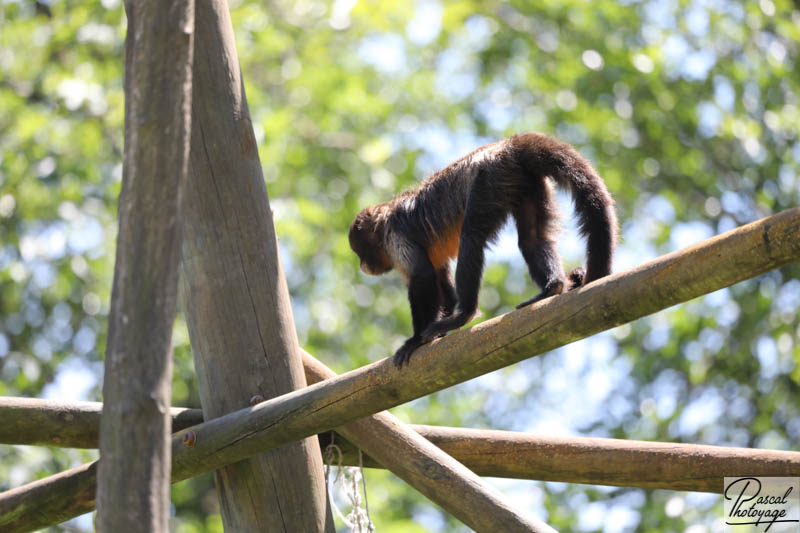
point(459, 210)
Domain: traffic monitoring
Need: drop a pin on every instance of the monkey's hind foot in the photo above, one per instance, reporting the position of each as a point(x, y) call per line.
point(553, 288)
point(441, 327)
point(576, 277)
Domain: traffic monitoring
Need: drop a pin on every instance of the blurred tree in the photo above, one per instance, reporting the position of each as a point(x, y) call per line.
point(689, 109)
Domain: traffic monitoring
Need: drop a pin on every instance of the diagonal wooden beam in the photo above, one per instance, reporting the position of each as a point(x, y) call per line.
point(707, 266)
point(428, 469)
point(408, 455)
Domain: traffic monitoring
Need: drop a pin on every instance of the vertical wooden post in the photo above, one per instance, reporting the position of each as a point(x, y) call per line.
point(134, 472)
point(235, 295)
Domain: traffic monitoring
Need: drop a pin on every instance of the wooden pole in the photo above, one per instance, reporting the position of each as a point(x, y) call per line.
point(49, 501)
point(411, 457)
point(134, 472)
point(235, 296)
point(595, 461)
point(38, 422)
point(710, 265)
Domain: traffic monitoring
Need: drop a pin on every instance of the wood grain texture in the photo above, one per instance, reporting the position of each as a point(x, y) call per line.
point(707, 266)
point(235, 296)
point(133, 476)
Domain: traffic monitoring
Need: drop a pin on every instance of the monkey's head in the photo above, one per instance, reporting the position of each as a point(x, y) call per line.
point(367, 240)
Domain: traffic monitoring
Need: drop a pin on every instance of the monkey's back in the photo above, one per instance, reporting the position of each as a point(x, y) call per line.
point(441, 200)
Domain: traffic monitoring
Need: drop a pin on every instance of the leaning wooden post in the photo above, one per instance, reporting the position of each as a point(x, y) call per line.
point(134, 472)
point(235, 296)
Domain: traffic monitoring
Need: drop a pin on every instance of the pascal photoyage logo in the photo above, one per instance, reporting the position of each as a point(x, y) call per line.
point(762, 504)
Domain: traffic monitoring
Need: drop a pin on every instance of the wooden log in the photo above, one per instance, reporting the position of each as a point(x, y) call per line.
point(39, 422)
point(595, 461)
point(235, 296)
point(51, 500)
point(428, 469)
point(680, 276)
point(655, 465)
point(133, 476)
point(424, 466)
point(509, 454)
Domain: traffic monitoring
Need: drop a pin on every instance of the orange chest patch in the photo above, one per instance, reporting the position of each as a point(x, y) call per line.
point(445, 249)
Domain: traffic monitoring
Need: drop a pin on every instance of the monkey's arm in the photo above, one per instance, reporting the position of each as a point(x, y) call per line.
point(468, 279)
point(423, 296)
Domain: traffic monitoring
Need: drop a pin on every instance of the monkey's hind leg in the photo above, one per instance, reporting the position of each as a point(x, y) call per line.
point(447, 292)
point(536, 218)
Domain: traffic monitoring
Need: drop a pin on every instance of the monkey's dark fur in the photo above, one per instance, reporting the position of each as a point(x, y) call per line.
point(460, 209)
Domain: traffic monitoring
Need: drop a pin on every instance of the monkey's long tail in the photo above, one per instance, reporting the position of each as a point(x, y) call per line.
point(597, 220)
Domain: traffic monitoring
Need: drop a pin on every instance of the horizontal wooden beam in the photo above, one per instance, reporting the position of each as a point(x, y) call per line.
point(39, 422)
point(707, 266)
point(596, 461)
point(509, 454)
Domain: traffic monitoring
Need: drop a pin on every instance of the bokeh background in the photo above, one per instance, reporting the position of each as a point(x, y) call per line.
point(688, 108)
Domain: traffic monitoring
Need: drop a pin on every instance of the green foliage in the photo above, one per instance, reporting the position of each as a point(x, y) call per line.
point(688, 109)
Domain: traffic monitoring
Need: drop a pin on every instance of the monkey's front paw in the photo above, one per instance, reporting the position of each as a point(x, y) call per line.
point(403, 354)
